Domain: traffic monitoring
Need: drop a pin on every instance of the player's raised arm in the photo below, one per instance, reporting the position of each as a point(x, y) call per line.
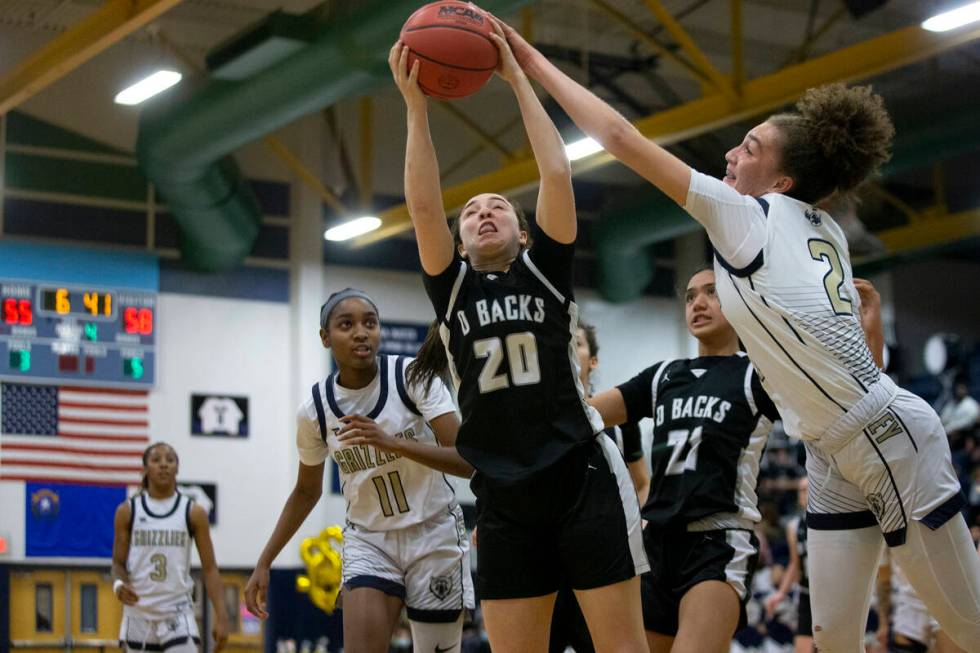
point(555, 212)
point(423, 193)
point(603, 123)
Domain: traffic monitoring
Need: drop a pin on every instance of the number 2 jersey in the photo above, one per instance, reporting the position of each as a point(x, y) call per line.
point(510, 340)
point(784, 279)
point(384, 491)
point(711, 419)
point(159, 560)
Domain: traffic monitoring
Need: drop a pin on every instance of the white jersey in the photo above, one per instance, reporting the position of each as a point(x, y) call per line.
point(383, 490)
point(783, 277)
point(159, 561)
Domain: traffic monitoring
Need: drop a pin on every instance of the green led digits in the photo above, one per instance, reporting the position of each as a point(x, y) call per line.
point(92, 331)
point(133, 367)
point(20, 360)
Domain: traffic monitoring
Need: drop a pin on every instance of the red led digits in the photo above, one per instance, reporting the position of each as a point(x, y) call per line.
point(138, 320)
point(17, 311)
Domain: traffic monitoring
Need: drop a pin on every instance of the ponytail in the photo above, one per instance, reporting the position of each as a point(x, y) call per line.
point(430, 362)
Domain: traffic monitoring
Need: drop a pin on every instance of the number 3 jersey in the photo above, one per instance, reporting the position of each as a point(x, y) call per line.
point(384, 491)
point(159, 560)
point(510, 340)
point(711, 420)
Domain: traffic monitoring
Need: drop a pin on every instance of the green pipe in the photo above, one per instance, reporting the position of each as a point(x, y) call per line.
point(184, 143)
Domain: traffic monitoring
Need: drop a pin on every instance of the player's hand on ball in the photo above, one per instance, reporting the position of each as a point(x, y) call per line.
point(522, 50)
point(363, 430)
point(508, 68)
point(256, 591)
point(406, 80)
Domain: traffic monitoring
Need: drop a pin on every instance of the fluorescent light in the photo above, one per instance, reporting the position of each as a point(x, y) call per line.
point(147, 87)
point(352, 228)
point(581, 149)
point(953, 18)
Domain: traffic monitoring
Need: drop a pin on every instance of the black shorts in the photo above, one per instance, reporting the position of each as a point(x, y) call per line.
point(804, 618)
point(575, 524)
point(679, 560)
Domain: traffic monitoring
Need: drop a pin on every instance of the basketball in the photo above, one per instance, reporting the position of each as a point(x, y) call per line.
point(452, 42)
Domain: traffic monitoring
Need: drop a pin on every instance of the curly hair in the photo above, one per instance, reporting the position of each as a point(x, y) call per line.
point(837, 137)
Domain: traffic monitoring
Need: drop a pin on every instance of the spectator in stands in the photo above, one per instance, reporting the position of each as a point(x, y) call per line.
point(959, 415)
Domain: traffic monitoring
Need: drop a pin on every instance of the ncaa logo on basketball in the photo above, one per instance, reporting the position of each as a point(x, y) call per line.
point(45, 504)
point(462, 12)
point(441, 586)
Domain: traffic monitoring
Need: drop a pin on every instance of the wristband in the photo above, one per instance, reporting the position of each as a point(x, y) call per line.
point(116, 585)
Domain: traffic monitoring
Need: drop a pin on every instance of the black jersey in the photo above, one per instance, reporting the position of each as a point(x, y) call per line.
point(510, 339)
point(711, 421)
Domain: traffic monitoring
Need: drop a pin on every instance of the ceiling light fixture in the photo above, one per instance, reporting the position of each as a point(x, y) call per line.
point(950, 20)
point(581, 149)
point(352, 228)
point(147, 87)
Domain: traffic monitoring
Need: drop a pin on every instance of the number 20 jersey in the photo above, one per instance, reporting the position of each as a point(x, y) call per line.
point(510, 340)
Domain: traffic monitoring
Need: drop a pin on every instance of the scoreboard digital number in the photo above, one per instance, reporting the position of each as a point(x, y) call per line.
point(76, 334)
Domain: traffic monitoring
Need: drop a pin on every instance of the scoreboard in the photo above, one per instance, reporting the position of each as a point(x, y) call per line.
point(81, 334)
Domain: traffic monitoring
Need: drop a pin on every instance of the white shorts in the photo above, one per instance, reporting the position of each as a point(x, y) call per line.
point(426, 565)
point(176, 633)
point(898, 468)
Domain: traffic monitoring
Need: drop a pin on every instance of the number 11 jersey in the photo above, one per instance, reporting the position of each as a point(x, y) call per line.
point(510, 340)
point(384, 491)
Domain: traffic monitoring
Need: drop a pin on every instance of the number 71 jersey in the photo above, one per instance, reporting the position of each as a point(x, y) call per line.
point(384, 491)
point(796, 310)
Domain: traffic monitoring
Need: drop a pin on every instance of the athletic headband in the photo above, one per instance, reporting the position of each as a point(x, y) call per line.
point(340, 296)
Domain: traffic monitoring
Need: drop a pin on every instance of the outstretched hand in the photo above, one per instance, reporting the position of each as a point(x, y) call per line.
point(406, 80)
point(522, 50)
point(507, 68)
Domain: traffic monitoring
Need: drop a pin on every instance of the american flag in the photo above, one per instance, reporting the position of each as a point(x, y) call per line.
point(71, 434)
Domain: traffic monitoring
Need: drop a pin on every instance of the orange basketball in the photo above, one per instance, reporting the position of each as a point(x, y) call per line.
point(452, 42)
